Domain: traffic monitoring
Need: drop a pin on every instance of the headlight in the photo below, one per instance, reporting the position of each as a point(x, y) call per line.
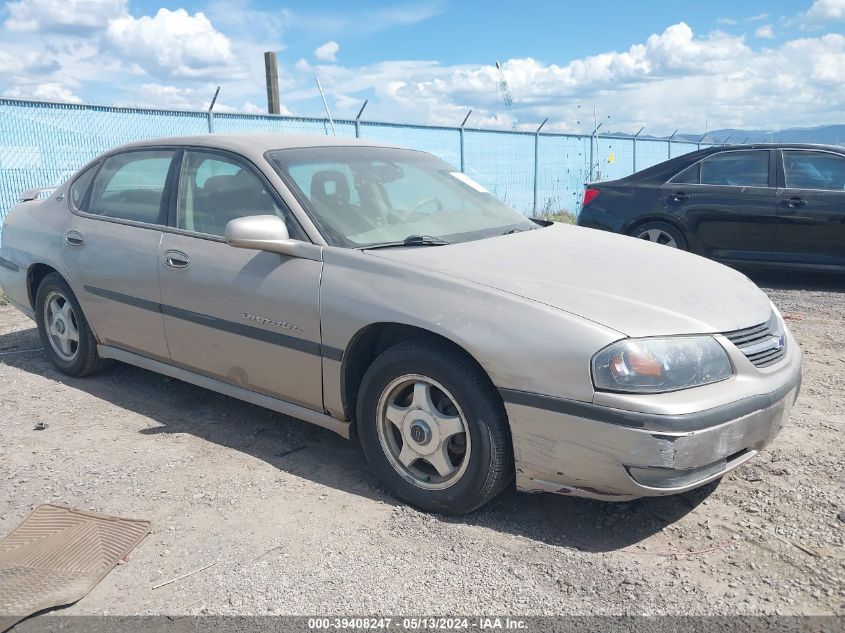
point(656, 365)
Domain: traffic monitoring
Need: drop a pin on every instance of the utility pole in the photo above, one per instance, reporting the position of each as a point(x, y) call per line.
point(271, 76)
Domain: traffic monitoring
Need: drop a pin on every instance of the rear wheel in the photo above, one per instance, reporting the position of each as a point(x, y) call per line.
point(433, 428)
point(661, 233)
point(64, 330)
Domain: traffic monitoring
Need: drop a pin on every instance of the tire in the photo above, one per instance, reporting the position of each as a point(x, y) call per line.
point(661, 233)
point(77, 358)
point(459, 394)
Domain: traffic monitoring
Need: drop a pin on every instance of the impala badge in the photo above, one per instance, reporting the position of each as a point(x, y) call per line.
point(273, 322)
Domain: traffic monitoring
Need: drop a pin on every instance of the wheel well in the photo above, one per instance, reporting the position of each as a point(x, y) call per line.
point(35, 276)
point(671, 222)
point(368, 344)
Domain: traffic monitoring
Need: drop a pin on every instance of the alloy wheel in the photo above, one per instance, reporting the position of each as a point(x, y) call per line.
point(62, 327)
point(423, 432)
point(658, 236)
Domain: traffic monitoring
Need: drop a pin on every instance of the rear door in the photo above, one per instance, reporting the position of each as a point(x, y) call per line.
point(811, 208)
point(246, 317)
point(727, 204)
point(111, 249)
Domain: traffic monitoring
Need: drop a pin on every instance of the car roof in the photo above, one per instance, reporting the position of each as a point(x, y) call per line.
point(662, 171)
point(256, 143)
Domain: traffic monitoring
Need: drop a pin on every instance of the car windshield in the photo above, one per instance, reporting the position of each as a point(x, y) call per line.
point(362, 197)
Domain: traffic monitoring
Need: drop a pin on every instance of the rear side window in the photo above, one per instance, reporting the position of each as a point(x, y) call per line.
point(814, 170)
point(690, 176)
point(740, 169)
point(80, 186)
point(131, 186)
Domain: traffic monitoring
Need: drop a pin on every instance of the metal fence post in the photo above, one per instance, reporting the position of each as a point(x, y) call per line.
point(537, 162)
point(634, 161)
point(210, 113)
point(592, 142)
point(358, 119)
point(461, 131)
point(669, 145)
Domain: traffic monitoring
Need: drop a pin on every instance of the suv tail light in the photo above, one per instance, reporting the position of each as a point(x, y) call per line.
point(590, 194)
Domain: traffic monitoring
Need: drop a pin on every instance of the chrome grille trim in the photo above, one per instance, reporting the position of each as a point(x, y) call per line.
point(763, 344)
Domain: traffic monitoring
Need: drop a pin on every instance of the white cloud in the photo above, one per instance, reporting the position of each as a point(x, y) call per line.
point(43, 92)
point(728, 21)
point(166, 96)
point(9, 63)
point(675, 79)
point(766, 32)
point(366, 20)
point(327, 52)
point(822, 12)
point(757, 18)
point(174, 44)
point(62, 15)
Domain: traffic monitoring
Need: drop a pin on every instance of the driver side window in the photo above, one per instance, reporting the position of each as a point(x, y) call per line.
point(215, 189)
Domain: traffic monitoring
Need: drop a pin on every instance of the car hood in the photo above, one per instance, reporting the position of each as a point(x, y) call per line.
point(635, 287)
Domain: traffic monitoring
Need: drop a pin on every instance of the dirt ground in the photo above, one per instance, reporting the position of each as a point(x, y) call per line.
point(295, 523)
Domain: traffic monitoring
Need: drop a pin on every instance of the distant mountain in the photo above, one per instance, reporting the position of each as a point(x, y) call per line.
point(823, 135)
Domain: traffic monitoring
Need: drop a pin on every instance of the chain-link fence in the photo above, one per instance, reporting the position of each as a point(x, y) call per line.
point(42, 144)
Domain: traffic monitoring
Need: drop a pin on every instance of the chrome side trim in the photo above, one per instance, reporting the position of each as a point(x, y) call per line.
point(241, 329)
point(294, 410)
point(5, 263)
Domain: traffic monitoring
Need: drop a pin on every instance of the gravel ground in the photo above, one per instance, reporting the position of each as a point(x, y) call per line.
point(295, 523)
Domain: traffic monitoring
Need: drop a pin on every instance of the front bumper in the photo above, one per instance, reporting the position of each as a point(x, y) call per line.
point(599, 452)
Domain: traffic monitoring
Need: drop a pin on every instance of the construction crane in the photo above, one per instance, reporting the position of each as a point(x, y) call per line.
point(506, 97)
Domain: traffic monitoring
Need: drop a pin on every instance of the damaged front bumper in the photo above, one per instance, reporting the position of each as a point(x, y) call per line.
point(600, 452)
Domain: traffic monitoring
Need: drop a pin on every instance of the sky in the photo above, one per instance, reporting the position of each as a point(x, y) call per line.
point(665, 64)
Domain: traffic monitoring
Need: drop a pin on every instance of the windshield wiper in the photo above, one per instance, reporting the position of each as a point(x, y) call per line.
point(512, 231)
point(424, 240)
point(413, 240)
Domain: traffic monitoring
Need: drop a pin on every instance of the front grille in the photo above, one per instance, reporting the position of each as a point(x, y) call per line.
point(763, 344)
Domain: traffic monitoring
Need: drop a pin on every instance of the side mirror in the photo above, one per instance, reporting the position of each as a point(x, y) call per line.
point(265, 233)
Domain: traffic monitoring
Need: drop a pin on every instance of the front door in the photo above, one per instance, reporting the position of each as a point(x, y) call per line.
point(727, 204)
point(248, 318)
point(111, 247)
point(811, 208)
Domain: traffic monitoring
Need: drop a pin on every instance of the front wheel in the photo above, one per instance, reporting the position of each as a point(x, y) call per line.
point(433, 428)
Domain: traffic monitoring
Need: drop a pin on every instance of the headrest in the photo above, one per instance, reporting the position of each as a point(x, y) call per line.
point(330, 185)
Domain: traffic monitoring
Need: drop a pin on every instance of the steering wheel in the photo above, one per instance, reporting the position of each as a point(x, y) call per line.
point(415, 208)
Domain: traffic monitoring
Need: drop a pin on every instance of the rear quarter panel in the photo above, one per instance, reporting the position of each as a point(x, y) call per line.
point(32, 234)
point(620, 206)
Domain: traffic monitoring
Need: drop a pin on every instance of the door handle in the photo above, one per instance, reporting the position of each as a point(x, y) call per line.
point(74, 238)
point(678, 196)
point(176, 259)
point(795, 203)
